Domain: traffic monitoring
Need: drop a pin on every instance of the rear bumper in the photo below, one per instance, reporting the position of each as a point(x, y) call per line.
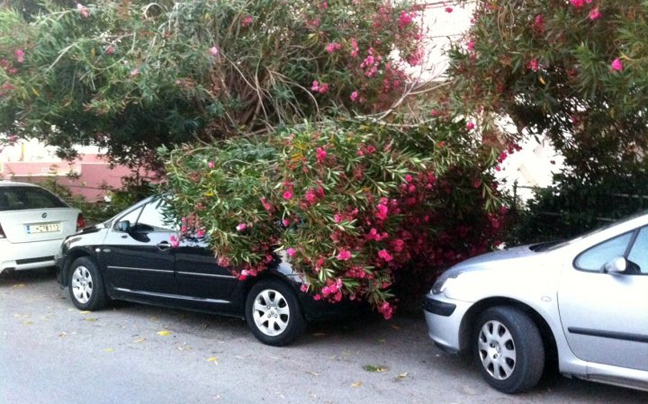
point(21, 256)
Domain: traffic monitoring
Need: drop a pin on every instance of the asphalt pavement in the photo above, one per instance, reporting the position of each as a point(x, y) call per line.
point(50, 352)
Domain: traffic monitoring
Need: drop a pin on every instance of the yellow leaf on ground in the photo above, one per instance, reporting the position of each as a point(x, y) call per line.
point(27, 322)
point(19, 285)
point(139, 340)
point(356, 384)
point(109, 350)
point(91, 319)
point(401, 376)
point(213, 359)
point(164, 333)
point(313, 373)
point(85, 312)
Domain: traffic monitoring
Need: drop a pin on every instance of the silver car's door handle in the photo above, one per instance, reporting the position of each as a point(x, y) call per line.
point(164, 245)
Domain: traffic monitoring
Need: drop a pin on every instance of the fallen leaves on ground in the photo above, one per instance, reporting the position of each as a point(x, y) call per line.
point(164, 333)
point(375, 368)
point(401, 376)
point(137, 341)
point(213, 359)
point(109, 350)
point(356, 384)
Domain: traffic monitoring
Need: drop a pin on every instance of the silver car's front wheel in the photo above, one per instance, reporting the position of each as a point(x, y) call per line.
point(508, 349)
point(497, 350)
point(273, 312)
point(86, 285)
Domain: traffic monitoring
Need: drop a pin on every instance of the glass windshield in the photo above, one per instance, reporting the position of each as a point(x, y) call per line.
point(23, 198)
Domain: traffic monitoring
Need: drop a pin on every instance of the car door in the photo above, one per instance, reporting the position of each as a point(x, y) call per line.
point(137, 254)
point(605, 314)
point(198, 274)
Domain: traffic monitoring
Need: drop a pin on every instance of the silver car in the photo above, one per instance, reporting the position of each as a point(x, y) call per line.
point(582, 303)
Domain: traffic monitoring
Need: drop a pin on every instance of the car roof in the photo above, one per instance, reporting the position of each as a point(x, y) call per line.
point(7, 183)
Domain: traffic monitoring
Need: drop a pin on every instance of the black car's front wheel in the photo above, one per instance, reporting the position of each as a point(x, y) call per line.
point(508, 349)
point(273, 313)
point(86, 285)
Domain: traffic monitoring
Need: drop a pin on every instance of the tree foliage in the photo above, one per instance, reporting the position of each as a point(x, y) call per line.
point(574, 70)
point(354, 206)
point(131, 76)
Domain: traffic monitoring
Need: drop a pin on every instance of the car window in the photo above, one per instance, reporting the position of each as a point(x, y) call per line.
point(639, 253)
point(596, 257)
point(152, 218)
point(23, 198)
point(131, 216)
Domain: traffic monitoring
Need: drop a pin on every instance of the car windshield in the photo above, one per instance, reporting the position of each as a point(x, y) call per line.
point(25, 197)
point(554, 245)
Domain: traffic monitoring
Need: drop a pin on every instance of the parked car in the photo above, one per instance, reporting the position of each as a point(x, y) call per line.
point(130, 257)
point(581, 303)
point(33, 224)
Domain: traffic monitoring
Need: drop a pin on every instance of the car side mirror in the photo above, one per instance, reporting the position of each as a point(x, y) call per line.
point(124, 226)
point(616, 265)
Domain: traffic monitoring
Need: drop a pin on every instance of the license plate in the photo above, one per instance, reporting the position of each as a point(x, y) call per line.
point(44, 228)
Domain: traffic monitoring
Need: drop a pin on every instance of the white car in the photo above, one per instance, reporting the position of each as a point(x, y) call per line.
point(33, 224)
point(581, 303)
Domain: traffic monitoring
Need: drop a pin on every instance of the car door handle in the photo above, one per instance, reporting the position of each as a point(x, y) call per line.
point(164, 245)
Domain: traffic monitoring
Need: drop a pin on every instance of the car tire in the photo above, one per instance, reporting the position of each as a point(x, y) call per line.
point(508, 349)
point(273, 313)
point(86, 285)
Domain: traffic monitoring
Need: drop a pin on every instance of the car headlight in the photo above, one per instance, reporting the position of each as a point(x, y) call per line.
point(444, 281)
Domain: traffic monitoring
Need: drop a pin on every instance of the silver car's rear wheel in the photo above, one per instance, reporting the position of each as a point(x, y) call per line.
point(86, 285)
point(508, 349)
point(273, 312)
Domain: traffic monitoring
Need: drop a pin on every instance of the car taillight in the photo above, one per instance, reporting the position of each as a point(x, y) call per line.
point(2, 235)
point(80, 222)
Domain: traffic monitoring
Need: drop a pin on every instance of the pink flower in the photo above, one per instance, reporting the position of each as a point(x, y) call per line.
point(315, 86)
point(577, 3)
point(291, 252)
point(20, 55)
point(343, 255)
point(408, 178)
point(448, 9)
point(321, 154)
point(241, 227)
point(304, 288)
point(385, 255)
point(324, 87)
point(285, 222)
point(330, 48)
point(266, 204)
point(211, 164)
point(323, 5)
point(110, 50)
point(354, 96)
point(386, 310)
point(470, 126)
point(382, 212)
point(247, 20)
point(471, 45)
point(83, 10)
point(311, 196)
point(175, 242)
point(200, 233)
point(617, 65)
point(338, 218)
point(213, 51)
point(134, 72)
point(533, 64)
point(594, 14)
point(287, 195)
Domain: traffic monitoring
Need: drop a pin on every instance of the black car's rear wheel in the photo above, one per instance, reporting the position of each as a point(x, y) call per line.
point(273, 313)
point(86, 285)
point(508, 349)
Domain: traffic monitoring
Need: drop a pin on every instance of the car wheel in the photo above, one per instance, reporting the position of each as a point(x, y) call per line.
point(86, 285)
point(508, 349)
point(273, 313)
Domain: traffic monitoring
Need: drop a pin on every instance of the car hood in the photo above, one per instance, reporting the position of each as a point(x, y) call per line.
point(494, 259)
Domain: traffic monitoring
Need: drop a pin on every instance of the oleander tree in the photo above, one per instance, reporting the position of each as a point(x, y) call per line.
point(283, 127)
point(576, 72)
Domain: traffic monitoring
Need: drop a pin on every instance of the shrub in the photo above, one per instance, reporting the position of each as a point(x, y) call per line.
point(352, 205)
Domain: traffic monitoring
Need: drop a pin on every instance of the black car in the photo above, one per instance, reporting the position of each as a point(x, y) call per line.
point(130, 257)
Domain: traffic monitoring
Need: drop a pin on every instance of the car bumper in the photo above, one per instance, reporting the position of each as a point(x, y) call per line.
point(443, 317)
point(20, 256)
